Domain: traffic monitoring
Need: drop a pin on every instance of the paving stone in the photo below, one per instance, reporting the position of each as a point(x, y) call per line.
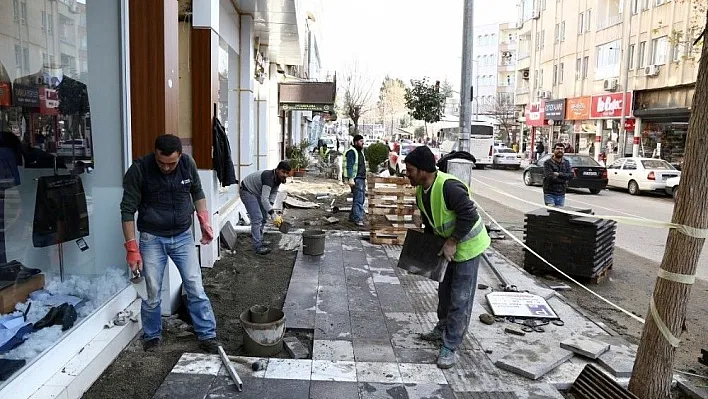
point(368, 324)
point(486, 395)
point(242, 364)
point(373, 390)
point(421, 355)
point(412, 373)
point(378, 372)
point(332, 350)
point(362, 299)
point(227, 236)
point(534, 361)
point(305, 272)
point(289, 369)
point(180, 385)
point(334, 389)
point(619, 360)
point(299, 307)
point(224, 387)
point(332, 299)
point(295, 348)
point(585, 346)
point(332, 278)
point(286, 388)
point(373, 350)
point(333, 326)
point(429, 391)
point(198, 363)
point(329, 370)
point(393, 298)
point(405, 329)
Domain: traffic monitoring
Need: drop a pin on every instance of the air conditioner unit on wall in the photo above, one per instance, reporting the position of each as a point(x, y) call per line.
point(544, 94)
point(526, 74)
point(535, 14)
point(651, 70)
point(611, 84)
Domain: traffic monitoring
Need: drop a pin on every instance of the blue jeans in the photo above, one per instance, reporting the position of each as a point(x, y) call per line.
point(455, 299)
point(257, 215)
point(358, 194)
point(554, 199)
point(183, 252)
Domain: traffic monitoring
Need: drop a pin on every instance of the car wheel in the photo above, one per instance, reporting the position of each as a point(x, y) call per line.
point(527, 179)
point(634, 188)
point(517, 167)
point(478, 166)
point(595, 191)
point(675, 193)
point(495, 166)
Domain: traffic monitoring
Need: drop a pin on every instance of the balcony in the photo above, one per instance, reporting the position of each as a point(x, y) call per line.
point(506, 88)
point(522, 98)
point(609, 22)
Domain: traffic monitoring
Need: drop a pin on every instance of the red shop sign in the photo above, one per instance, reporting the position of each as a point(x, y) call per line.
point(535, 114)
point(629, 124)
point(610, 105)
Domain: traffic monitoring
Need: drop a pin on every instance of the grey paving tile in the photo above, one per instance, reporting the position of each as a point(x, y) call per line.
point(305, 274)
point(420, 356)
point(375, 390)
point(299, 307)
point(333, 326)
point(619, 360)
point(429, 391)
point(363, 299)
point(585, 346)
point(277, 388)
point(373, 350)
point(368, 324)
point(336, 350)
point(474, 372)
point(404, 329)
point(332, 299)
point(179, 385)
point(333, 389)
point(534, 361)
point(393, 298)
point(224, 387)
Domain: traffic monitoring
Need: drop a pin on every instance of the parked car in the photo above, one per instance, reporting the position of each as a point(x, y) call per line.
point(506, 158)
point(587, 173)
point(640, 174)
point(672, 186)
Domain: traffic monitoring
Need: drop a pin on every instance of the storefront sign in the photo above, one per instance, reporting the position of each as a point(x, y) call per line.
point(555, 109)
point(5, 95)
point(610, 105)
point(584, 128)
point(578, 109)
point(48, 101)
point(629, 125)
point(307, 107)
point(535, 114)
point(26, 96)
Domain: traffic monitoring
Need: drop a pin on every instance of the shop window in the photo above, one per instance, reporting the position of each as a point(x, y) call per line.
point(59, 221)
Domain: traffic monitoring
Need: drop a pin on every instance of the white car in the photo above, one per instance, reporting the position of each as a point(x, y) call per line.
point(640, 174)
point(672, 186)
point(506, 158)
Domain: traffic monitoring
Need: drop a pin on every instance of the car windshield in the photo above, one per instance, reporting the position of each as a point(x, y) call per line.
point(506, 151)
point(407, 149)
point(657, 164)
point(581, 160)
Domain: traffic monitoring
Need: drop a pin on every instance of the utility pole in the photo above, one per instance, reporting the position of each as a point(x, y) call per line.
point(466, 89)
point(625, 80)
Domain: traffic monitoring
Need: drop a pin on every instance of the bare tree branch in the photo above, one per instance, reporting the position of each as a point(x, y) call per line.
point(504, 112)
point(356, 93)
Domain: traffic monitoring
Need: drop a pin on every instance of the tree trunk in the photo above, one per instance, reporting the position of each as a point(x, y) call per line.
point(652, 375)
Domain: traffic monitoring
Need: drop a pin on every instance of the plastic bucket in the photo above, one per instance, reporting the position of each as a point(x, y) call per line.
point(263, 339)
point(259, 314)
point(313, 242)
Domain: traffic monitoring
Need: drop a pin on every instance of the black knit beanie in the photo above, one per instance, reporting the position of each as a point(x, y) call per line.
point(357, 138)
point(422, 158)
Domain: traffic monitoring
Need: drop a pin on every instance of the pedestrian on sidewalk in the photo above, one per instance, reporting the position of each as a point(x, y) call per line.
point(354, 170)
point(540, 150)
point(258, 192)
point(556, 175)
point(448, 211)
point(164, 188)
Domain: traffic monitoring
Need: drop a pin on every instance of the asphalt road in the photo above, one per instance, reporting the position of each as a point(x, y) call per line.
point(642, 241)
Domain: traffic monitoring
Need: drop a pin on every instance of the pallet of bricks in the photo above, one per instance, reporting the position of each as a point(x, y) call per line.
point(392, 209)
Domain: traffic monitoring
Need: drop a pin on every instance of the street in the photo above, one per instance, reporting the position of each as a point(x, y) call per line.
point(646, 242)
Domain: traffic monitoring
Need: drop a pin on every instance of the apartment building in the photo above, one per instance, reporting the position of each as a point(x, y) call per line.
point(584, 66)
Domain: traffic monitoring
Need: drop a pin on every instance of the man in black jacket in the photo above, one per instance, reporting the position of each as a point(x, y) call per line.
point(556, 174)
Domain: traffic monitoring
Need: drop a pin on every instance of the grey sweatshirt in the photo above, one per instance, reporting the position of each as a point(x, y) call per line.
point(264, 185)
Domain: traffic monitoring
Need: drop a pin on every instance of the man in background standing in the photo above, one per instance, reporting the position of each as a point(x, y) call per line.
point(354, 170)
point(556, 175)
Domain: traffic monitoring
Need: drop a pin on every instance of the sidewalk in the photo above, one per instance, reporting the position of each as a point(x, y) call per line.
point(366, 315)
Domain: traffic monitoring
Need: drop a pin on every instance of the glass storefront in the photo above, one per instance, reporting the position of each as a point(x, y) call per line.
point(61, 166)
point(228, 67)
point(665, 140)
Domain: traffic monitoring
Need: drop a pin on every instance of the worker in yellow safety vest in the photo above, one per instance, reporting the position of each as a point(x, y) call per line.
point(354, 171)
point(448, 211)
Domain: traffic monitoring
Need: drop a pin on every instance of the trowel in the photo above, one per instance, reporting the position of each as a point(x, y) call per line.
point(138, 282)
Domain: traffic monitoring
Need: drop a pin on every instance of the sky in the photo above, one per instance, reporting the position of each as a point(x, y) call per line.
point(402, 38)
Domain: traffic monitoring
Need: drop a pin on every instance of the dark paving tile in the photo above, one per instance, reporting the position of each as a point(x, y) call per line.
point(224, 387)
point(393, 298)
point(429, 391)
point(330, 277)
point(285, 389)
point(419, 356)
point(373, 390)
point(354, 259)
point(333, 390)
point(485, 395)
point(178, 385)
point(373, 350)
point(299, 305)
point(333, 326)
point(368, 324)
point(332, 299)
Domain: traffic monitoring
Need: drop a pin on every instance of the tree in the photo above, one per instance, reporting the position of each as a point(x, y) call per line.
point(504, 112)
point(356, 94)
point(392, 101)
point(652, 374)
point(425, 101)
point(446, 89)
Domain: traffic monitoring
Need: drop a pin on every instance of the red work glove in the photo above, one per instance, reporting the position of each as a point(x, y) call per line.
point(207, 231)
point(135, 261)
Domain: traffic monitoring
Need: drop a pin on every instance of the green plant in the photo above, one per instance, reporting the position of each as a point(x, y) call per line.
point(298, 155)
point(376, 154)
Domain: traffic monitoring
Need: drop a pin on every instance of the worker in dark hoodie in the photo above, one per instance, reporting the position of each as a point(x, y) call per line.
point(448, 211)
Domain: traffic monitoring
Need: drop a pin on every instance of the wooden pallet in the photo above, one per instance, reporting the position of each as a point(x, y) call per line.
point(392, 208)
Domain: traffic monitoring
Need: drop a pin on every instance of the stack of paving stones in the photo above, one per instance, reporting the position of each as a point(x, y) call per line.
point(704, 359)
point(579, 246)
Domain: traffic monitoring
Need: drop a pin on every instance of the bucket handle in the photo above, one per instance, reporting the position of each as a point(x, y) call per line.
point(282, 335)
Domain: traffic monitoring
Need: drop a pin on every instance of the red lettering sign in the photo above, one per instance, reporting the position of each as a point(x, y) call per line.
point(535, 114)
point(609, 106)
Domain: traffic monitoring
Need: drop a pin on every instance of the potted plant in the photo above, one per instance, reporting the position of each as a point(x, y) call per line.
point(299, 160)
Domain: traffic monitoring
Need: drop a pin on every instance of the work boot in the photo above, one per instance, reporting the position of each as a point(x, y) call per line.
point(151, 345)
point(263, 251)
point(446, 358)
point(360, 223)
point(210, 345)
point(432, 336)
